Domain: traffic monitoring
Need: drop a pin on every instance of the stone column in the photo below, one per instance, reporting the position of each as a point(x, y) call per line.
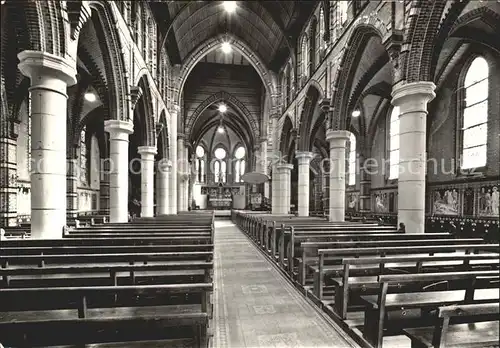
point(162, 189)
point(275, 190)
point(412, 100)
point(180, 173)
point(71, 184)
point(187, 172)
point(172, 192)
point(337, 140)
point(50, 76)
point(283, 189)
point(365, 185)
point(8, 173)
point(119, 132)
point(147, 179)
point(104, 187)
point(304, 159)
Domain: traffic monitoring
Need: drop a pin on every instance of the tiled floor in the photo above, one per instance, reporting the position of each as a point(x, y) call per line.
point(256, 307)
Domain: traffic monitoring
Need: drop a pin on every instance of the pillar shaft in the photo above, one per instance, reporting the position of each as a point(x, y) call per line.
point(365, 185)
point(147, 179)
point(119, 132)
point(104, 187)
point(172, 192)
point(412, 100)
point(71, 185)
point(162, 191)
point(187, 172)
point(50, 76)
point(8, 177)
point(304, 160)
point(274, 190)
point(281, 203)
point(180, 173)
point(337, 140)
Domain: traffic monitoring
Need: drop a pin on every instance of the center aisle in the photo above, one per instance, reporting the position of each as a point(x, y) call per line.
point(255, 306)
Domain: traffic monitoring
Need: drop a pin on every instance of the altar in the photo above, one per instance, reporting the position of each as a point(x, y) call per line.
point(220, 197)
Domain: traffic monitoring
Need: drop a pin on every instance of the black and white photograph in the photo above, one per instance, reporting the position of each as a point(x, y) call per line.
point(250, 174)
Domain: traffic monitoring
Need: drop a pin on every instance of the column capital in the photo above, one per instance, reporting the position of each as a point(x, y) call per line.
point(135, 95)
point(37, 63)
point(164, 166)
point(417, 94)
point(118, 127)
point(304, 157)
point(144, 151)
point(264, 139)
point(284, 167)
point(181, 136)
point(325, 105)
point(174, 109)
point(333, 136)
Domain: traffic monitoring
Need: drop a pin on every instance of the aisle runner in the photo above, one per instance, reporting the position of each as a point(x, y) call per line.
point(255, 306)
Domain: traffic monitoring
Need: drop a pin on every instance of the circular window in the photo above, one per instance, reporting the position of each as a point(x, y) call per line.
point(200, 152)
point(220, 153)
point(240, 153)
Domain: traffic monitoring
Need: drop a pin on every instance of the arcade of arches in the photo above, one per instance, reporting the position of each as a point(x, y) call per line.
point(316, 126)
point(378, 108)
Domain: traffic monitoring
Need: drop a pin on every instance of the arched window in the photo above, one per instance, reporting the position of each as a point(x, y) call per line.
point(284, 89)
point(333, 21)
point(138, 26)
point(288, 80)
point(321, 42)
point(200, 164)
point(239, 163)
point(342, 7)
point(94, 163)
point(220, 168)
point(312, 42)
point(352, 160)
point(475, 115)
point(84, 172)
point(305, 57)
point(28, 133)
point(394, 144)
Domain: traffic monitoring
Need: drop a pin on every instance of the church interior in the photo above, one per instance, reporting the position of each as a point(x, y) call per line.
point(225, 174)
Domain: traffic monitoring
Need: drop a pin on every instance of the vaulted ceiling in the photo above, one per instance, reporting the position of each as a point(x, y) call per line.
point(268, 27)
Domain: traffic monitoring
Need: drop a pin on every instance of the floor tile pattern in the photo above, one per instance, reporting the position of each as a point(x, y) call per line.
point(255, 306)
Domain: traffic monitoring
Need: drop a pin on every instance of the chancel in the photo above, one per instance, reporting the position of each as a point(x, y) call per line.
point(225, 174)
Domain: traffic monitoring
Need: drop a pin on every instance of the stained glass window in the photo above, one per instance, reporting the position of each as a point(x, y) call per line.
point(352, 160)
point(239, 163)
point(475, 115)
point(394, 144)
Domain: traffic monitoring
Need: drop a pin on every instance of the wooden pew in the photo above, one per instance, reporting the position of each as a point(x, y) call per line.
point(174, 238)
point(288, 240)
point(10, 260)
point(482, 334)
point(121, 241)
point(33, 317)
point(100, 274)
point(396, 311)
point(310, 259)
point(359, 275)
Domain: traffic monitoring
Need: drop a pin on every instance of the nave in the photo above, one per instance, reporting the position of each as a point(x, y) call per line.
point(255, 306)
point(258, 281)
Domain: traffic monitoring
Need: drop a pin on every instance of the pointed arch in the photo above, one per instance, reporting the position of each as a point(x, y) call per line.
point(145, 110)
point(163, 139)
point(111, 46)
point(306, 117)
point(344, 75)
point(268, 80)
point(230, 99)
